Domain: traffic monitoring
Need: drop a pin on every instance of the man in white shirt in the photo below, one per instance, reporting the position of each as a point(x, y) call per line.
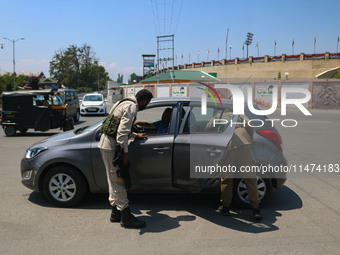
point(126, 111)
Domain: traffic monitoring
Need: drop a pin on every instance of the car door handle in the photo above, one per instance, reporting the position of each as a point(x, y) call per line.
point(161, 149)
point(213, 152)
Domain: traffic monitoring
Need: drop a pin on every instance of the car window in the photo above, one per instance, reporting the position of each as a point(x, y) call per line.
point(57, 101)
point(67, 96)
point(156, 120)
point(93, 98)
point(215, 120)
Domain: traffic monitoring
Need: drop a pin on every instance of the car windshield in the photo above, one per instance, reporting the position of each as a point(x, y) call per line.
point(93, 98)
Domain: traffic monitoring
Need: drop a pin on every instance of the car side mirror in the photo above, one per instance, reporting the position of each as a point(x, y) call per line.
point(98, 135)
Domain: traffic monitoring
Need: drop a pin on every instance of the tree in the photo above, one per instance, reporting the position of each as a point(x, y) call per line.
point(337, 75)
point(120, 78)
point(78, 67)
point(133, 78)
point(6, 81)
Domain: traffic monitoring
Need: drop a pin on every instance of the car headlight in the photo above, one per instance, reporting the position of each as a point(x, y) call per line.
point(82, 105)
point(34, 151)
point(102, 104)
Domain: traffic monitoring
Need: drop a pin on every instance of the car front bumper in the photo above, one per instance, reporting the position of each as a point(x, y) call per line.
point(87, 110)
point(29, 169)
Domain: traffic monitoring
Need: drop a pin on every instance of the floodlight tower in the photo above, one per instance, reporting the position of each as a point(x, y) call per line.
point(249, 40)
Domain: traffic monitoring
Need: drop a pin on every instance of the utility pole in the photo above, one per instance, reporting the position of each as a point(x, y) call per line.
point(13, 41)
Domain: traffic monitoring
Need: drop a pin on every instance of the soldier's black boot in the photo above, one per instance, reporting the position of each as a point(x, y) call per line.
point(257, 215)
point(130, 221)
point(223, 210)
point(115, 215)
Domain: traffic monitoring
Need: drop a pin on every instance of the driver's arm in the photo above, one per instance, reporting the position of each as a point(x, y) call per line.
point(144, 124)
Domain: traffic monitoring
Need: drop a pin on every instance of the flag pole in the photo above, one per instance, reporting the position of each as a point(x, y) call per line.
point(314, 43)
point(226, 44)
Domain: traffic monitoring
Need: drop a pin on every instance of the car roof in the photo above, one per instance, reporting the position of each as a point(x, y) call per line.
point(27, 93)
point(93, 94)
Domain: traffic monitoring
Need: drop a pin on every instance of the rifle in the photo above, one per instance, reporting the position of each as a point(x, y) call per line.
point(122, 171)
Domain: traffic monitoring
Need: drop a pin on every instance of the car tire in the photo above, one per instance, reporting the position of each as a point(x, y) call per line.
point(10, 130)
point(240, 193)
point(76, 117)
point(64, 186)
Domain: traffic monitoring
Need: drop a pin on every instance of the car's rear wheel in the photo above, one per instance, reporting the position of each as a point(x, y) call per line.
point(10, 130)
point(64, 186)
point(240, 197)
point(77, 117)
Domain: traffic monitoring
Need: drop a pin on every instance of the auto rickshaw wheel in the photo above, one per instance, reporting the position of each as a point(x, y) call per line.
point(10, 130)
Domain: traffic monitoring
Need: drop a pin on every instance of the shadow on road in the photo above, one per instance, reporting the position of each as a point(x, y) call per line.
point(196, 205)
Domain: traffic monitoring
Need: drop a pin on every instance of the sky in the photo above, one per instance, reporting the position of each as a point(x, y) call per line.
point(119, 32)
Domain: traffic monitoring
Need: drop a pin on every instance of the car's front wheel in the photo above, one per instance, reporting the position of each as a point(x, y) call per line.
point(241, 193)
point(64, 186)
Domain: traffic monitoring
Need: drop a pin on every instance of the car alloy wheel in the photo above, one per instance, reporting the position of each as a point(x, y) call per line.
point(64, 186)
point(241, 192)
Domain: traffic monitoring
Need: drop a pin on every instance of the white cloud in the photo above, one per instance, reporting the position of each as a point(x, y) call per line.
point(26, 66)
point(114, 69)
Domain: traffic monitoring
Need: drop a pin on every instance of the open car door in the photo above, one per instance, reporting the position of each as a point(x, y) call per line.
point(200, 145)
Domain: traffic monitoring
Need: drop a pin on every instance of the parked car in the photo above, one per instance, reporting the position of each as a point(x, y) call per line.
point(66, 166)
point(93, 103)
point(70, 98)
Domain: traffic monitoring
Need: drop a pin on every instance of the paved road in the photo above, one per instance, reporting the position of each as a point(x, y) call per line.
point(301, 218)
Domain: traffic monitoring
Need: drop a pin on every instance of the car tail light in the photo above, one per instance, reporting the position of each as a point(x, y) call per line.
point(272, 136)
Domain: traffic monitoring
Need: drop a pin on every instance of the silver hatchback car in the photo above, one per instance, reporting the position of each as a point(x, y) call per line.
point(66, 166)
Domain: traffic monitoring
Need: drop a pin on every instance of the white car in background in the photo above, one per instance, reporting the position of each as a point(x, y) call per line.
point(93, 103)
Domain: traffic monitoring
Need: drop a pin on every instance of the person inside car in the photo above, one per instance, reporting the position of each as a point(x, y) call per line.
point(161, 126)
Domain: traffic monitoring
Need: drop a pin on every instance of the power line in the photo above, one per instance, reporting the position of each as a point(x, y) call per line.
point(172, 11)
point(154, 17)
point(179, 14)
point(157, 17)
point(164, 15)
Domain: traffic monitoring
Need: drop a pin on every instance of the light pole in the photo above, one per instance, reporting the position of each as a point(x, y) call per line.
point(2, 46)
point(249, 40)
point(13, 41)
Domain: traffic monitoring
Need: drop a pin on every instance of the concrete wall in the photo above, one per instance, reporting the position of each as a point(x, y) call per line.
point(305, 69)
point(325, 94)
